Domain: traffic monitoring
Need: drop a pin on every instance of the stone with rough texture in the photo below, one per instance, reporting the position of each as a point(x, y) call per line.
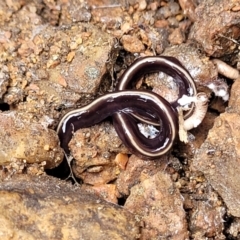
point(94, 150)
point(159, 205)
point(207, 218)
point(195, 61)
point(22, 139)
point(219, 156)
point(132, 44)
point(137, 170)
point(4, 79)
point(217, 26)
point(46, 208)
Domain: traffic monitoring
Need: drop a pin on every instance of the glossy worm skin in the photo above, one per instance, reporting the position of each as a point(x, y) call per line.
point(169, 65)
point(123, 105)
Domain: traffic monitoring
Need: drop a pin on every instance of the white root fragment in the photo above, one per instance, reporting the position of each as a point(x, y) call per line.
point(225, 69)
point(200, 109)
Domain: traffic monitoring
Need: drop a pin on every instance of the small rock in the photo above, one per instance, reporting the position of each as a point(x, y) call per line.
point(138, 170)
point(199, 66)
point(234, 229)
point(94, 150)
point(4, 79)
point(207, 218)
point(234, 101)
point(162, 23)
point(142, 4)
point(121, 160)
point(76, 12)
point(215, 27)
point(21, 139)
point(188, 7)
point(157, 203)
point(218, 157)
point(86, 63)
point(107, 192)
point(110, 14)
point(132, 44)
point(176, 37)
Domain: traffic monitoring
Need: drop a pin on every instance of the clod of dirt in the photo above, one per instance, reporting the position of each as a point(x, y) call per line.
point(22, 139)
